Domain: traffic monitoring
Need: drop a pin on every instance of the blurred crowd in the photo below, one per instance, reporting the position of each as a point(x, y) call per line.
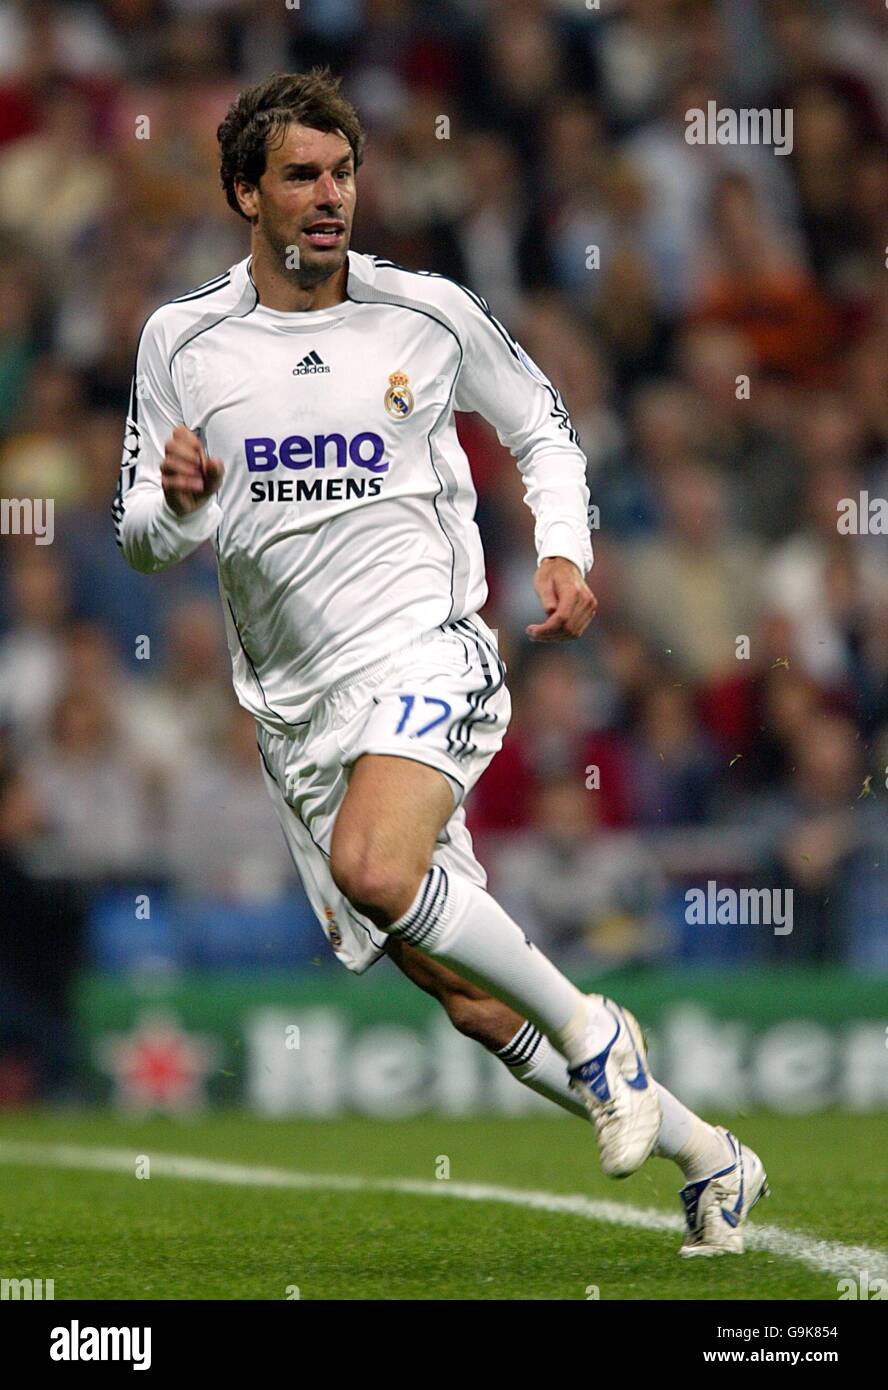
point(715, 318)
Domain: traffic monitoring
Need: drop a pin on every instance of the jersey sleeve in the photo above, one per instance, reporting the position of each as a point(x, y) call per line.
point(150, 534)
point(502, 383)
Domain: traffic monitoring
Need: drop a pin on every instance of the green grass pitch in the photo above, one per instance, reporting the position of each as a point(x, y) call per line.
point(109, 1235)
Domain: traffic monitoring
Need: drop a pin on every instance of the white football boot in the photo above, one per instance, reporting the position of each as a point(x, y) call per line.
point(716, 1208)
point(618, 1091)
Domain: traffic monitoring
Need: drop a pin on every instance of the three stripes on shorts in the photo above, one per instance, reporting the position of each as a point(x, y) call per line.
point(458, 737)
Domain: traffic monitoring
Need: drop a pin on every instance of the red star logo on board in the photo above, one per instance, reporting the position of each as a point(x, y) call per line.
point(158, 1066)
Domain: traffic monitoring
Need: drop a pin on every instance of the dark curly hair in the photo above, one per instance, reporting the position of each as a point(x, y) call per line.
point(262, 113)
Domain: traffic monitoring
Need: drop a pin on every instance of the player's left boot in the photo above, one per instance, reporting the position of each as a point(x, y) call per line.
point(716, 1208)
point(618, 1091)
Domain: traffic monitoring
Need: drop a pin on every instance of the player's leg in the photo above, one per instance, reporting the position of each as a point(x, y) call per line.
point(381, 854)
point(720, 1173)
point(521, 1047)
point(697, 1147)
point(381, 860)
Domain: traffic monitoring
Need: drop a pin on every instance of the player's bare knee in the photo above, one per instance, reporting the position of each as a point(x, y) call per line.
point(381, 889)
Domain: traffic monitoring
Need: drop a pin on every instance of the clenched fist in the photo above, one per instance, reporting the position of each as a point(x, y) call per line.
point(188, 476)
point(570, 605)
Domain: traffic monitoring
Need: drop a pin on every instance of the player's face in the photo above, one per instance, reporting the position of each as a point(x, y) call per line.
point(306, 199)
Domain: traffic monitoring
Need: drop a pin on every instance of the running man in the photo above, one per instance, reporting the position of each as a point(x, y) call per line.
point(298, 411)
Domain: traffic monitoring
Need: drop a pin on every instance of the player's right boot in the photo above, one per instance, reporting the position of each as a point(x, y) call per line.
point(618, 1091)
point(716, 1208)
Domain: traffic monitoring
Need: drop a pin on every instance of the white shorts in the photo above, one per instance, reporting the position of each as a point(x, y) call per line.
point(440, 701)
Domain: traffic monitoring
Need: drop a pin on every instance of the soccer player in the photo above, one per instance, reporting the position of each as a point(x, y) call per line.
point(298, 410)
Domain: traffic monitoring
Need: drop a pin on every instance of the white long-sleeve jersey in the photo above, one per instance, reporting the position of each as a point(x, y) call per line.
point(344, 526)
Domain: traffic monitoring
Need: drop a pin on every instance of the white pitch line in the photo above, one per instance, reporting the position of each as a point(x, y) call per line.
point(823, 1256)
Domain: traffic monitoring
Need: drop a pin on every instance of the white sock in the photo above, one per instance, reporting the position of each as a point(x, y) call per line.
point(697, 1147)
point(457, 922)
point(533, 1061)
point(694, 1145)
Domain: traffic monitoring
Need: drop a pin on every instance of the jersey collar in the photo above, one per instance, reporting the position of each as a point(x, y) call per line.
point(299, 320)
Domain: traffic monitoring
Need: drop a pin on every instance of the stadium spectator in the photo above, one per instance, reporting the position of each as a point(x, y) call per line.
point(697, 566)
point(831, 835)
point(31, 649)
point(41, 948)
point(586, 900)
point(224, 838)
point(97, 798)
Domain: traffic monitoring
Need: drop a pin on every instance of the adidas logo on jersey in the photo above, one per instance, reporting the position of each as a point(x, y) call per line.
point(311, 363)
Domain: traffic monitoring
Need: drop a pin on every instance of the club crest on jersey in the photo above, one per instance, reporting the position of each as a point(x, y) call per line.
point(399, 397)
point(333, 932)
